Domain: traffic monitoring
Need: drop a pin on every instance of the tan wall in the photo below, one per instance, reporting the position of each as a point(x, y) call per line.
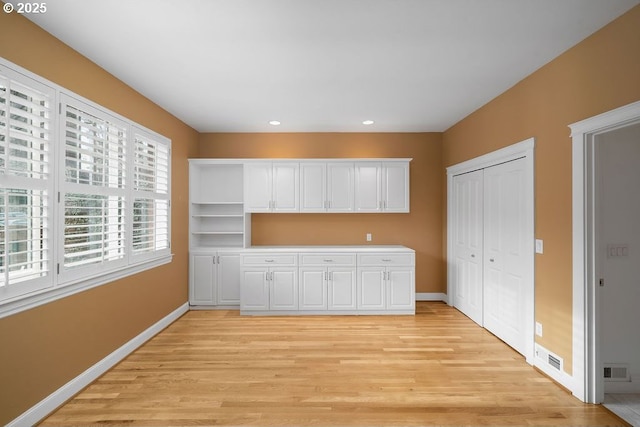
point(43, 348)
point(421, 229)
point(599, 74)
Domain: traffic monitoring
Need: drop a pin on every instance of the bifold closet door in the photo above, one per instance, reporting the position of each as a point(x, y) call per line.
point(504, 308)
point(468, 246)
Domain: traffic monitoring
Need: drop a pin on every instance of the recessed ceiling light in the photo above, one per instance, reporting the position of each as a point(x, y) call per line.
point(274, 123)
point(367, 122)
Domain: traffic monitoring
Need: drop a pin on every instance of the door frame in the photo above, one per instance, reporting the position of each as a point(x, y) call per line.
point(523, 149)
point(587, 384)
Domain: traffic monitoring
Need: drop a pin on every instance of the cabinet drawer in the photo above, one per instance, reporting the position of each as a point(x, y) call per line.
point(385, 259)
point(327, 259)
point(269, 259)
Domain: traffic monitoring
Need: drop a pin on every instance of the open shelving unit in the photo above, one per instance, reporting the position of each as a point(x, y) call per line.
point(216, 210)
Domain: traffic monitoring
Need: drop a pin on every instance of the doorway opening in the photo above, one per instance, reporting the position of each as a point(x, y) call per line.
point(598, 256)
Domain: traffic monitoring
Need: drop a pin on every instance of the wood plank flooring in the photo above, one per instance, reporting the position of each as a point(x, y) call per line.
point(219, 368)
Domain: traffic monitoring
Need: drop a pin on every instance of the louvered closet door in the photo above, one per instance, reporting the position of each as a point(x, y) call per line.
point(467, 194)
point(505, 252)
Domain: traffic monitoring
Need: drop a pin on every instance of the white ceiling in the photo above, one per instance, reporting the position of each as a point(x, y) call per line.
point(323, 65)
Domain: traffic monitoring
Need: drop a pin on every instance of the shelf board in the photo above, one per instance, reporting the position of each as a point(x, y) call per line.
point(239, 233)
point(217, 203)
point(218, 215)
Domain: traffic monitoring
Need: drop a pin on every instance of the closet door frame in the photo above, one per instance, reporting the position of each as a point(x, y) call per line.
point(523, 149)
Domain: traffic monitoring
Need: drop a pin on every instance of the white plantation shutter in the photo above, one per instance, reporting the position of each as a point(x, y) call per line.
point(25, 184)
point(151, 231)
point(94, 189)
point(85, 195)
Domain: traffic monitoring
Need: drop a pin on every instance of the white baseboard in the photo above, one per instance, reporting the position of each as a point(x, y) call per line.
point(540, 361)
point(43, 408)
point(428, 296)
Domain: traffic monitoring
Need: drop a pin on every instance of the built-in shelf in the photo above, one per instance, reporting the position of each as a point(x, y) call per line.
point(217, 217)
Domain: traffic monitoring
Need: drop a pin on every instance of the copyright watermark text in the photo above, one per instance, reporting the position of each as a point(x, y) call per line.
point(25, 8)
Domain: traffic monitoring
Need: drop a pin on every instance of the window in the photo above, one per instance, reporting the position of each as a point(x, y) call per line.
point(151, 194)
point(99, 212)
point(25, 189)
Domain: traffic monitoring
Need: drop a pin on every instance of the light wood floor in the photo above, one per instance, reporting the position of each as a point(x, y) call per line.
point(218, 368)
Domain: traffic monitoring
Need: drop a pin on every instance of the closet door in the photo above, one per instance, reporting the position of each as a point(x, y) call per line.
point(505, 253)
point(468, 249)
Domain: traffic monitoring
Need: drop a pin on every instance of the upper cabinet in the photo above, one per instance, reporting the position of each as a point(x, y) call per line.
point(271, 186)
point(326, 187)
point(382, 186)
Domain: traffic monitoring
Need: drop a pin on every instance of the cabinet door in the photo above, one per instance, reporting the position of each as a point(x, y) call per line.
point(283, 292)
point(313, 187)
point(340, 187)
point(313, 288)
point(257, 187)
point(400, 289)
point(228, 278)
point(371, 288)
point(285, 187)
point(202, 280)
point(254, 289)
point(395, 187)
point(368, 190)
point(342, 289)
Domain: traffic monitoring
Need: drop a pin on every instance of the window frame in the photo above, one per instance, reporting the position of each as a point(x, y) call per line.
point(59, 283)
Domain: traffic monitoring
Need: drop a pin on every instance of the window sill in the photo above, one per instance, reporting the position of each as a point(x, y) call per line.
point(29, 301)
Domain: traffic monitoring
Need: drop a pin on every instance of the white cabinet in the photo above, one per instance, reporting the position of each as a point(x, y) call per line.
point(269, 282)
point(214, 278)
point(202, 279)
point(339, 282)
point(386, 282)
point(382, 186)
point(271, 187)
point(327, 282)
point(326, 187)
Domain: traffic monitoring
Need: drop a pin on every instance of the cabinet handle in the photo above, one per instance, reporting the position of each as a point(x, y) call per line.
point(328, 260)
point(218, 259)
point(331, 276)
point(269, 260)
point(325, 276)
point(491, 259)
point(473, 255)
point(266, 276)
point(384, 204)
point(386, 260)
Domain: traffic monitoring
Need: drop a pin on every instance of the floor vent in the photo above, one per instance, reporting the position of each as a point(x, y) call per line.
point(550, 359)
point(555, 362)
point(616, 372)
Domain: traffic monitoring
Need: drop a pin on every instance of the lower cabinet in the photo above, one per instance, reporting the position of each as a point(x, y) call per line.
point(327, 288)
point(214, 278)
point(331, 283)
point(386, 282)
point(386, 288)
point(269, 282)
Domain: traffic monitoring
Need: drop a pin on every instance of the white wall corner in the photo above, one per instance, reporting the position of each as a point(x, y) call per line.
point(43, 408)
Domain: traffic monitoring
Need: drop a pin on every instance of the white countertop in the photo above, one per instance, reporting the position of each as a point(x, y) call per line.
point(333, 249)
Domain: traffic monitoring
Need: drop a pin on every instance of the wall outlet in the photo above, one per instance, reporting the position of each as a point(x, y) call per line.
point(368, 237)
point(539, 329)
point(539, 246)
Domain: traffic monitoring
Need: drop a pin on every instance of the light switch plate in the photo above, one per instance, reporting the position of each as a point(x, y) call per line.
point(368, 237)
point(539, 246)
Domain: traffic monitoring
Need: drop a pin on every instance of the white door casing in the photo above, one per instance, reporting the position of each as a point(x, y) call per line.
point(586, 385)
